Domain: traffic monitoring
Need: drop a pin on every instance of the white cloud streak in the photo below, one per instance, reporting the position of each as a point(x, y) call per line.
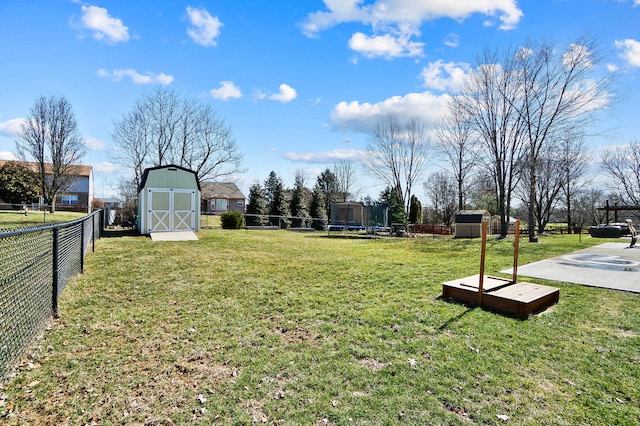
point(387, 46)
point(324, 157)
point(95, 144)
point(104, 27)
point(11, 128)
point(137, 78)
point(630, 51)
point(6, 155)
point(204, 29)
point(227, 90)
point(363, 117)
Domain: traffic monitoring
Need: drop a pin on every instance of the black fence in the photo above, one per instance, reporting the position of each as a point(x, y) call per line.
point(36, 265)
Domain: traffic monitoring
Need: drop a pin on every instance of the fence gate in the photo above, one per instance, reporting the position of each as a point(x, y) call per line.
point(171, 210)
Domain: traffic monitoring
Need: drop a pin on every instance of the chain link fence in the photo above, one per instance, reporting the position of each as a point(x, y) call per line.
point(37, 264)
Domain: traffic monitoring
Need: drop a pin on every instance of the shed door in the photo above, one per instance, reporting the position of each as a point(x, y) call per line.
point(171, 210)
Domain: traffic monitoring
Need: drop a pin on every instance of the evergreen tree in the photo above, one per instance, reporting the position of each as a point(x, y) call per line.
point(415, 210)
point(299, 203)
point(328, 184)
point(270, 185)
point(276, 200)
point(396, 209)
point(257, 205)
point(318, 209)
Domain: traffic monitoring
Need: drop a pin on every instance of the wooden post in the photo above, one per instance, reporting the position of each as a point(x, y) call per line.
point(482, 257)
point(516, 246)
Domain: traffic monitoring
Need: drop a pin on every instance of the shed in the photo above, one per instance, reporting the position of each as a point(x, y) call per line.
point(469, 223)
point(168, 200)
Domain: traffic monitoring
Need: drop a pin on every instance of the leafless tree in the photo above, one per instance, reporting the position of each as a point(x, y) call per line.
point(558, 91)
point(49, 136)
point(548, 186)
point(346, 179)
point(397, 154)
point(622, 164)
point(575, 159)
point(164, 128)
point(458, 145)
point(440, 188)
point(486, 98)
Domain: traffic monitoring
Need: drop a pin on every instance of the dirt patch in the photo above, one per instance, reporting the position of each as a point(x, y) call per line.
point(373, 364)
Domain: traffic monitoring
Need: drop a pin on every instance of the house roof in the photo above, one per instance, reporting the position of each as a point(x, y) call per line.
point(77, 170)
point(228, 190)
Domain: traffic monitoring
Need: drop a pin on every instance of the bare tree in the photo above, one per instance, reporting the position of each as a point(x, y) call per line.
point(556, 93)
point(397, 155)
point(458, 145)
point(548, 186)
point(440, 187)
point(574, 160)
point(622, 164)
point(346, 179)
point(486, 98)
point(164, 128)
point(50, 137)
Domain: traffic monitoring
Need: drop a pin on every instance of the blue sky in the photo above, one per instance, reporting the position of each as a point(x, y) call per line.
point(301, 82)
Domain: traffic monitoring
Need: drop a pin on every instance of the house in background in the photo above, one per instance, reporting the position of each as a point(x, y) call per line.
point(77, 197)
point(218, 198)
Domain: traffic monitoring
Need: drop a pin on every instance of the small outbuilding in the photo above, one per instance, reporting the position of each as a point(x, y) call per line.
point(469, 223)
point(168, 200)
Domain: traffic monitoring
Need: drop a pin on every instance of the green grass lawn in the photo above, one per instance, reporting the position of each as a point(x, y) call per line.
point(279, 327)
point(16, 218)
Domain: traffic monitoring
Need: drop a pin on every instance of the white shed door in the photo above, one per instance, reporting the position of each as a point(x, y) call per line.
point(171, 210)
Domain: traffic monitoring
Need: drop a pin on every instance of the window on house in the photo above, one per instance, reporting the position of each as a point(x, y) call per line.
point(221, 204)
point(240, 203)
point(69, 199)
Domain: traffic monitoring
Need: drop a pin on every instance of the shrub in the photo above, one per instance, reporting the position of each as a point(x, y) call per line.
point(231, 220)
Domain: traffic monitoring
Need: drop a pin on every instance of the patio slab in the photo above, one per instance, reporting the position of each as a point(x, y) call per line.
point(608, 265)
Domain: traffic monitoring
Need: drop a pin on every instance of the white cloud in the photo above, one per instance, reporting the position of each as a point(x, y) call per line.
point(444, 76)
point(612, 67)
point(630, 51)
point(363, 117)
point(386, 45)
point(286, 94)
point(11, 127)
point(405, 14)
point(105, 28)
point(136, 77)
point(324, 157)
point(204, 29)
point(452, 40)
point(95, 144)
point(6, 155)
point(106, 167)
point(226, 91)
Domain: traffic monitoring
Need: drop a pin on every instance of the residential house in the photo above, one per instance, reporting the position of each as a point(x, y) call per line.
point(77, 197)
point(218, 197)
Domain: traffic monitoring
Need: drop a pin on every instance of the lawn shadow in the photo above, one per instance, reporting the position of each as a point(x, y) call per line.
point(119, 233)
point(470, 308)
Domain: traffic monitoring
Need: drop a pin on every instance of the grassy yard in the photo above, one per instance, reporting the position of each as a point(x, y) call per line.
point(279, 327)
point(16, 218)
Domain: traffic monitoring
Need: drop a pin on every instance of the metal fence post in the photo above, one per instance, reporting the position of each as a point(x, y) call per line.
point(82, 247)
point(93, 233)
point(54, 301)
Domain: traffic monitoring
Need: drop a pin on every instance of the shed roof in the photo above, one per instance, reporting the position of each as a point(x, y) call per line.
point(225, 190)
point(145, 174)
